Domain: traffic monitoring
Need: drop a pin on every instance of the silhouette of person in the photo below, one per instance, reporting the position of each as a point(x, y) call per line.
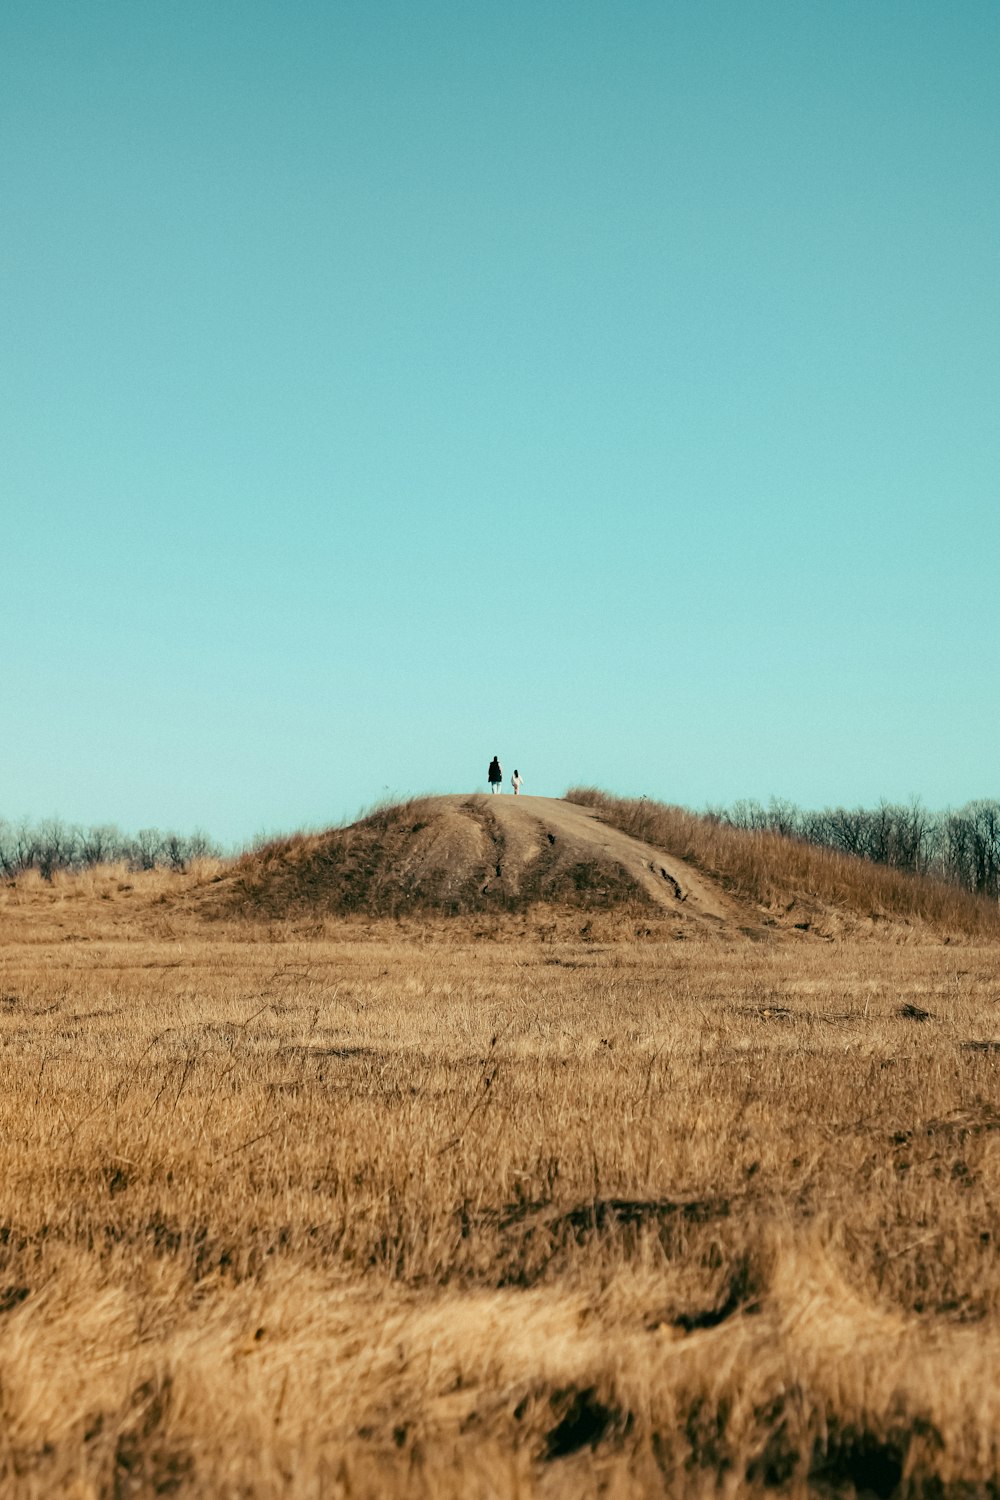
point(495, 775)
point(515, 781)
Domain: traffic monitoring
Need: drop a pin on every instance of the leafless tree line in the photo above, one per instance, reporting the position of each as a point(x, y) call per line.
point(52, 845)
point(962, 847)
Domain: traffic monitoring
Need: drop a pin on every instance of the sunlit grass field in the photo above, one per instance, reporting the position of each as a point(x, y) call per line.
point(548, 1205)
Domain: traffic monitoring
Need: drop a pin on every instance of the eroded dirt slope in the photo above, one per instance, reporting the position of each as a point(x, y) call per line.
point(528, 824)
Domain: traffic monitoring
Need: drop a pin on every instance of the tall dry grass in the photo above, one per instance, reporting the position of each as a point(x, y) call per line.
point(426, 1213)
point(774, 871)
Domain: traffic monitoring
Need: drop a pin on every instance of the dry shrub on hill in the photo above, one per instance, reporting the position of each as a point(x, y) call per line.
point(774, 870)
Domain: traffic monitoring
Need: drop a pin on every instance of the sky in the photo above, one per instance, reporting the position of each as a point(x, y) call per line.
point(612, 386)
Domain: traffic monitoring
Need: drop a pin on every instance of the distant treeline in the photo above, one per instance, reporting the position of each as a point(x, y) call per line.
point(961, 847)
point(51, 845)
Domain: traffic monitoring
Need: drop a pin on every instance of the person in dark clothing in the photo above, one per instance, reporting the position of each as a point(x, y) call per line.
point(495, 775)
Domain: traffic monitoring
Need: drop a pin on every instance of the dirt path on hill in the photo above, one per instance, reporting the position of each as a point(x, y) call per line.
point(528, 823)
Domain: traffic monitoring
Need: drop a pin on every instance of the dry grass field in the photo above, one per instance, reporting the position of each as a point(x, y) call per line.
point(547, 1202)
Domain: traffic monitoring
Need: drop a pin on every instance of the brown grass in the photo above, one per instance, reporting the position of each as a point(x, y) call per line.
point(778, 872)
point(521, 1206)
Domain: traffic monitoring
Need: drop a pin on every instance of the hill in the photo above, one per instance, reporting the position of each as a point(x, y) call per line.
point(455, 855)
point(459, 854)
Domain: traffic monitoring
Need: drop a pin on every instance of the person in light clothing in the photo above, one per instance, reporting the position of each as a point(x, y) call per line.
point(515, 781)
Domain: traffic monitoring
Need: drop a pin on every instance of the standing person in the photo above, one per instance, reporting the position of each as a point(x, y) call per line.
point(515, 781)
point(495, 775)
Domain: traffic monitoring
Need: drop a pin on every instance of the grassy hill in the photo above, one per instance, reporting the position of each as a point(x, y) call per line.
point(449, 855)
point(782, 874)
point(593, 851)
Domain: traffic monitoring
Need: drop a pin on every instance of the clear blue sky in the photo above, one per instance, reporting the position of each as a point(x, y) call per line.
point(613, 386)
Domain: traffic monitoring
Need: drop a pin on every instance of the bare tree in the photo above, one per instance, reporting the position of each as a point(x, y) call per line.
point(962, 847)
